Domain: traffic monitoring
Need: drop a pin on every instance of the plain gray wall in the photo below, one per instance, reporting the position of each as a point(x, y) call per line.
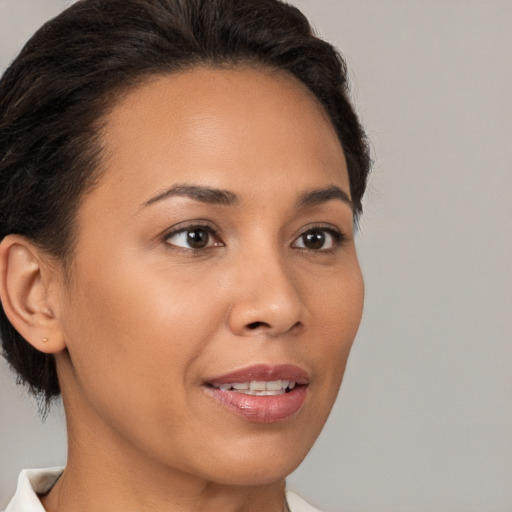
point(424, 418)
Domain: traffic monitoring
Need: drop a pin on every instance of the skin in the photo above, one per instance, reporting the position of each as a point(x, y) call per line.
point(144, 320)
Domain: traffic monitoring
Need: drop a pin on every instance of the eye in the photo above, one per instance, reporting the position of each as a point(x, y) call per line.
point(319, 239)
point(194, 238)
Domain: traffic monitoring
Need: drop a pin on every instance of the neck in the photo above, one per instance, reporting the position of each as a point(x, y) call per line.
point(72, 493)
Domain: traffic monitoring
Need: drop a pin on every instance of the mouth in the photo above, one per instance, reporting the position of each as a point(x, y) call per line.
point(259, 387)
point(261, 394)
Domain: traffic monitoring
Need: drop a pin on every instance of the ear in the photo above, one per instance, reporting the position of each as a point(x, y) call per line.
point(30, 291)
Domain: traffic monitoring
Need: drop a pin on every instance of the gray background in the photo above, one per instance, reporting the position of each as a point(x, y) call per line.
point(424, 418)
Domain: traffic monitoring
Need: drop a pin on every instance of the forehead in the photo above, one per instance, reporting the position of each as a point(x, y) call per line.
point(221, 128)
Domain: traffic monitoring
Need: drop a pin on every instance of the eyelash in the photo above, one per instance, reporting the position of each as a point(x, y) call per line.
point(205, 226)
point(338, 238)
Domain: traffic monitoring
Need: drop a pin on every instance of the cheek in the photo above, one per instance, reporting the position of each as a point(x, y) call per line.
point(338, 311)
point(133, 336)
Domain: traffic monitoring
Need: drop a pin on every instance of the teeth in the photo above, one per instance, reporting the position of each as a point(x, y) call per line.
point(260, 387)
point(274, 385)
point(240, 385)
point(257, 385)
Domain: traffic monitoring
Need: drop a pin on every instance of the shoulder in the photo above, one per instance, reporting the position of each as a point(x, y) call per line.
point(32, 482)
point(297, 504)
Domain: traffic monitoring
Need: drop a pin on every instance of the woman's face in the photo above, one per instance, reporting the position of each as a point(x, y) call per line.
point(216, 252)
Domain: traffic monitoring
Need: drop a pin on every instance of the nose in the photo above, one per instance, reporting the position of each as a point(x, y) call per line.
point(268, 299)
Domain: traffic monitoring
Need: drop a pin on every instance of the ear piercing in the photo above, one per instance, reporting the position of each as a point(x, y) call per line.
point(49, 312)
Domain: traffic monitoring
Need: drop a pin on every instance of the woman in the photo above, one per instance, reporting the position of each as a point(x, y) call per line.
point(179, 185)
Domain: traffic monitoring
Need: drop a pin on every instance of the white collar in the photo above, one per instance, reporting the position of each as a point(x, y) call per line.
point(32, 482)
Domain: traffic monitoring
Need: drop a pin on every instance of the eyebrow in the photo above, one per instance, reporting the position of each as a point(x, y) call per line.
point(226, 198)
point(322, 195)
point(198, 193)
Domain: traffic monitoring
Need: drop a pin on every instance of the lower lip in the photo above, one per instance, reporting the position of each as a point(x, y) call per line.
point(261, 409)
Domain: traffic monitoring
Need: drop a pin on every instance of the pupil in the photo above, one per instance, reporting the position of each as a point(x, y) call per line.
point(197, 239)
point(314, 240)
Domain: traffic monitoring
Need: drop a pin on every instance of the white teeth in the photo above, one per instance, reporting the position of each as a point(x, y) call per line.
point(240, 385)
point(274, 385)
point(257, 385)
point(260, 387)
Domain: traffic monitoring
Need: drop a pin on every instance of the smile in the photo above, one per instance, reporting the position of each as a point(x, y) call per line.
point(259, 388)
point(261, 393)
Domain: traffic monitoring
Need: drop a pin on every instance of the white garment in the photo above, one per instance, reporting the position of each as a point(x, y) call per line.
point(32, 482)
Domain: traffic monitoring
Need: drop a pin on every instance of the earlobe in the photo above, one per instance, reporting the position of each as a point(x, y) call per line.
point(26, 294)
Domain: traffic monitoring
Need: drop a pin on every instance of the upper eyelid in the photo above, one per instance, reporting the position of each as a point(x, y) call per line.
point(215, 231)
point(190, 225)
point(321, 226)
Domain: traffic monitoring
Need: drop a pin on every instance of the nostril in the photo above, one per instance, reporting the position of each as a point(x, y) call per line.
point(257, 325)
point(253, 326)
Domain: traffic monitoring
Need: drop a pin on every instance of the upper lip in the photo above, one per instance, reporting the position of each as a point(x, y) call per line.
point(263, 372)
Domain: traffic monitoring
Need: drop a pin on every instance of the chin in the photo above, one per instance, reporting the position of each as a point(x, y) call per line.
point(248, 473)
point(263, 464)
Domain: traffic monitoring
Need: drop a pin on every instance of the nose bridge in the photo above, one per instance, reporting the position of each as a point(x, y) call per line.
point(269, 299)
